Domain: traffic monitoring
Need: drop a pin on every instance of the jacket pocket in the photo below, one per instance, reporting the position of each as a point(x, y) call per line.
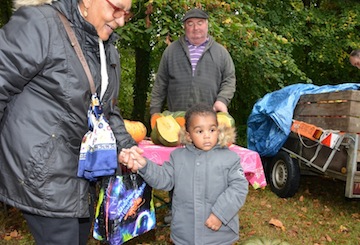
point(38, 167)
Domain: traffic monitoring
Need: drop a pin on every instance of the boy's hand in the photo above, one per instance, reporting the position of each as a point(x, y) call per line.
point(213, 222)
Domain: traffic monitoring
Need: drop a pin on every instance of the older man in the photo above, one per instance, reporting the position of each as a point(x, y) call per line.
point(194, 68)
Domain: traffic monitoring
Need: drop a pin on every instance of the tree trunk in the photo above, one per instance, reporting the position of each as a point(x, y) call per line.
point(6, 11)
point(142, 82)
point(306, 3)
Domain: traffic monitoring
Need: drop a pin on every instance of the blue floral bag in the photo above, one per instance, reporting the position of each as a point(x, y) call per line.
point(98, 154)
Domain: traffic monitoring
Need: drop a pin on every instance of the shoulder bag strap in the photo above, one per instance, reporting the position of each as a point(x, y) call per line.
point(76, 46)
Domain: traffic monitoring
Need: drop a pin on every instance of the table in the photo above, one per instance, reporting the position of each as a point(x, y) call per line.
point(249, 160)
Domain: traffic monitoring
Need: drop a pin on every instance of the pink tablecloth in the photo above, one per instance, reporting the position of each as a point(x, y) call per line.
point(250, 160)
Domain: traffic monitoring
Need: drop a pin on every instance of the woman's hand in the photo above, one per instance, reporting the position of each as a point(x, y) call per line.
point(132, 158)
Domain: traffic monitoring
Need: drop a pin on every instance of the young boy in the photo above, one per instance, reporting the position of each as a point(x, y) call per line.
point(208, 181)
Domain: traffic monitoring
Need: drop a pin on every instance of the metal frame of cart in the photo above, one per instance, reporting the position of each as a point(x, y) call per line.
point(302, 155)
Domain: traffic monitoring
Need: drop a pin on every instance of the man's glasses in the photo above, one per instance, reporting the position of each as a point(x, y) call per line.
point(118, 12)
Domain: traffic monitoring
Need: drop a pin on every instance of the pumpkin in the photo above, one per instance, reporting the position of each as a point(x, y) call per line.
point(136, 129)
point(166, 131)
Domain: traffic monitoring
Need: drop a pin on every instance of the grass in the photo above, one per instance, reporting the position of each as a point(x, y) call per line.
point(318, 214)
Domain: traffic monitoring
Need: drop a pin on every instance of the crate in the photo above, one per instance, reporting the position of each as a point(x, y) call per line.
point(334, 111)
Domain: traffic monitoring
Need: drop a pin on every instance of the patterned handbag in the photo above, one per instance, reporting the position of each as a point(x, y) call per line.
point(125, 208)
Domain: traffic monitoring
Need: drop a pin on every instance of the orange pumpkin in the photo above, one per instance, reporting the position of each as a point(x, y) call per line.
point(136, 129)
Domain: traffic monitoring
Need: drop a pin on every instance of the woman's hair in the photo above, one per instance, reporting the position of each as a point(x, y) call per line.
point(198, 109)
point(355, 53)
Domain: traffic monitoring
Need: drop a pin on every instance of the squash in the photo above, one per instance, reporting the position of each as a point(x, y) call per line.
point(166, 126)
point(154, 135)
point(166, 113)
point(153, 119)
point(178, 115)
point(136, 129)
point(166, 131)
point(226, 119)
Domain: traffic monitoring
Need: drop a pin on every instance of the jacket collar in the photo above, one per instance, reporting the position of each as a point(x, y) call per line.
point(197, 151)
point(227, 136)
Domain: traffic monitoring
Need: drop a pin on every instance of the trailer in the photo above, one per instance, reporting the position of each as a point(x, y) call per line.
point(324, 140)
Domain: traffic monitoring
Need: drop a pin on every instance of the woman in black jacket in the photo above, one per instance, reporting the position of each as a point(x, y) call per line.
point(44, 98)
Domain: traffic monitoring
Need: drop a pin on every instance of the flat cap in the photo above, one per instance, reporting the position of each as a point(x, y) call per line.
point(195, 13)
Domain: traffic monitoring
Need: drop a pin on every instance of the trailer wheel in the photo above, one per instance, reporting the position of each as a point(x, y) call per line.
point(284, 175)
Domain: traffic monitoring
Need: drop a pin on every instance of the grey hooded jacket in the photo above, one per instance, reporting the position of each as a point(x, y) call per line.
point(204, 182)
point(44, 98)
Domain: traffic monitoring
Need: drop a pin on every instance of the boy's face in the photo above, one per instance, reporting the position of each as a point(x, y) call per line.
point(203, 131)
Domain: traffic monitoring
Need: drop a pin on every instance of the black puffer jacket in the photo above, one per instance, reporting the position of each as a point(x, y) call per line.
point(44, 97)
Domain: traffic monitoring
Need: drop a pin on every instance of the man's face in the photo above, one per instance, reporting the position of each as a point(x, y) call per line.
point(196, 30)
point(355, 61)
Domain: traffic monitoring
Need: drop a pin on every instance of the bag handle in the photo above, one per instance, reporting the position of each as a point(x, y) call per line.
point(76, 46)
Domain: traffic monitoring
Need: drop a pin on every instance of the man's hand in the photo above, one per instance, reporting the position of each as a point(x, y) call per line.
point(220, 106)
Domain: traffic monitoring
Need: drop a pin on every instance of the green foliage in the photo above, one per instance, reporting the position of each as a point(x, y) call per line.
point(322, 36)
point(263, 59)
point(273, 43)
point(127, 62)
point(5, 11)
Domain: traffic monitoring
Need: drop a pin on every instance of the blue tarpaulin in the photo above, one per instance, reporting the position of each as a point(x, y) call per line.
point(269, 123)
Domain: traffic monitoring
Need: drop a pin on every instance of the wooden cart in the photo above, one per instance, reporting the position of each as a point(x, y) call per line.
point(306, 151)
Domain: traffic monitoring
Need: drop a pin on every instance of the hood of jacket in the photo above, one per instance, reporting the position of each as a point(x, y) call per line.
point(70, 10)
point(227, 136)
point(20, 3)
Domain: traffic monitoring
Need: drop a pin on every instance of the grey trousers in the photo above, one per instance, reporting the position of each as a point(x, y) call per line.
point(61, 231)
point(58, 231)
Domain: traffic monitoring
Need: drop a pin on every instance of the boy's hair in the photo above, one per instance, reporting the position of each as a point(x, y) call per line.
point(198, 109)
